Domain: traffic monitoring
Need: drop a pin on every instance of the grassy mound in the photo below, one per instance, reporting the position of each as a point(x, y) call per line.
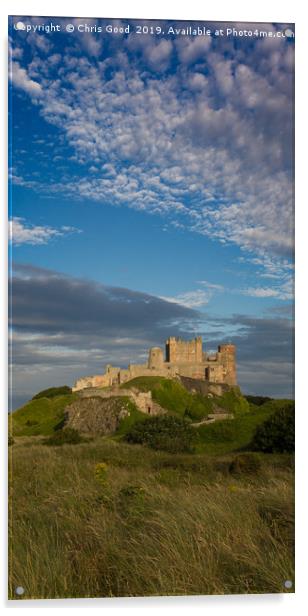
point(170, 394)
point(40, 416)
point(231, 435)
point(173, 396)
point(52, 392)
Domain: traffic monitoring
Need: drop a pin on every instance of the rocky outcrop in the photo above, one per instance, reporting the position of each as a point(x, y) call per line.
point(96, 415)
point(141, 399)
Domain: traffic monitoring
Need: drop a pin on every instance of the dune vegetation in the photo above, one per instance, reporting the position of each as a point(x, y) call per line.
point(108, 517)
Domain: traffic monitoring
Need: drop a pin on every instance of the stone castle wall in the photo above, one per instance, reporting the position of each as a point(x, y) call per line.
point(183, 358)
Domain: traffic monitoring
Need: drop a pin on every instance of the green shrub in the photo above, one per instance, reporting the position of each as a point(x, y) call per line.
point(165, 432)
point(245, 463)
point(277, 433)
point(53, 391)
point(10, 440)
point(66, 436)
point(257, 400)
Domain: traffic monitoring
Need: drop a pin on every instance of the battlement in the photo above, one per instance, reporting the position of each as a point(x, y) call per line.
point(227, 348)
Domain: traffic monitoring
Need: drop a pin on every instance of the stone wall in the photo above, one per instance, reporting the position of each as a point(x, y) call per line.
point(184, 358)
point(142, 400)
point(203, 387)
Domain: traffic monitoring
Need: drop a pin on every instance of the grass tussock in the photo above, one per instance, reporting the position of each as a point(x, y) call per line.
point(105, 518)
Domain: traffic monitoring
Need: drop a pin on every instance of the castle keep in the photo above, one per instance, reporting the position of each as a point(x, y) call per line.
point(182, 359)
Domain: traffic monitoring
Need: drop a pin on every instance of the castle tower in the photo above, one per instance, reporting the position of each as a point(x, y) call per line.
point(156, 358)
point(226, 355)
point(184, 352)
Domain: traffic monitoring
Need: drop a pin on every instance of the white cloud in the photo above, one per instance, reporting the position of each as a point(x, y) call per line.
point(21, 232)
point(190, 299)
point(39, 41)
point(191, 50)
point(20, 79)
point(283, 291)
point(210, 153)
point(16, 52)
point(197, 81)
point(159, 55)
point(260, 292)
point(211, 285)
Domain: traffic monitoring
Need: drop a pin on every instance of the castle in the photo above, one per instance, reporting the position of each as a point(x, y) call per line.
point(182, 359)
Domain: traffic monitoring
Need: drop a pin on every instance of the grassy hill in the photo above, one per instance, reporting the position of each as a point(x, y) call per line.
point(230, 435)
point(173, 396)
point(39, 416)
point(43, 415)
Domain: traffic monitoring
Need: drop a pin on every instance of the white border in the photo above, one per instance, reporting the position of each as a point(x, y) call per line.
point(224, 10)
point(238, 10)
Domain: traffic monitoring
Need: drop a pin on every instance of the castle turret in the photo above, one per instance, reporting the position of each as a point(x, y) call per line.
point(156, 359)
point(226, 353)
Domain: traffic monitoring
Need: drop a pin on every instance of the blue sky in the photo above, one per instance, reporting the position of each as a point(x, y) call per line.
point(162, 166)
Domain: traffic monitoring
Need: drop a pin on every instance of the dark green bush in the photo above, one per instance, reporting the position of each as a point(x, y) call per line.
point(277, 433)
point(66, 436)
point(245, 463)
point(53, 391)
point(257, 400)
point(10, 440)
point(165, 432)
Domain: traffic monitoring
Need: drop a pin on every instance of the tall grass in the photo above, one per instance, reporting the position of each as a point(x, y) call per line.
point(110, 519)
